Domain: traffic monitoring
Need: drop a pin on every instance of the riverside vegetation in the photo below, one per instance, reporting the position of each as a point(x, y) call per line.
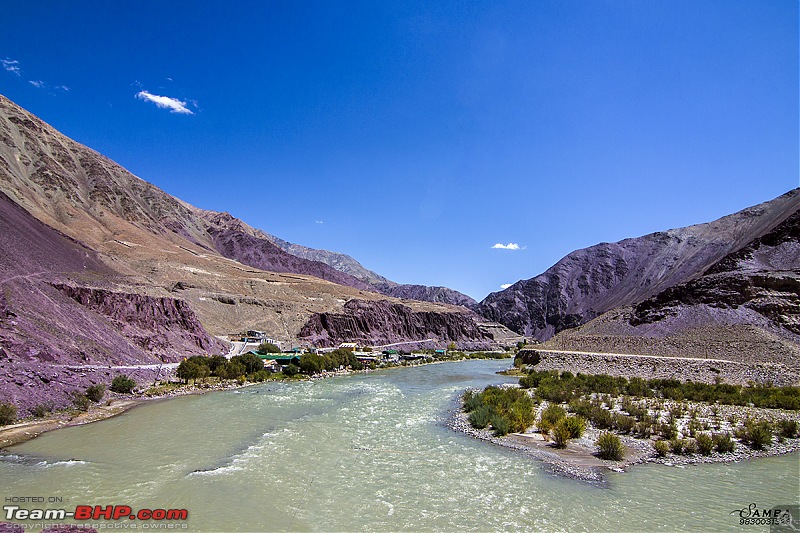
point(217, 371)
point(676, 418)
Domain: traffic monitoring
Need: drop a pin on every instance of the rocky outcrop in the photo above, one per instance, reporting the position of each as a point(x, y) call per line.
point(589, 282)
point(384, 322)
point(162, 326)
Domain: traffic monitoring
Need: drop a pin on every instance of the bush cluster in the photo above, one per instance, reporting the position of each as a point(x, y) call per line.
point(610, 447)
point(755, 434)
point(95, 392)
point(122, 384)
point(8, 413)
point(508, 410)
point(564, 387)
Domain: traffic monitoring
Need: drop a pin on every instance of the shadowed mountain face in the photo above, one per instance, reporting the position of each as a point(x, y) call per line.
point(591, 281)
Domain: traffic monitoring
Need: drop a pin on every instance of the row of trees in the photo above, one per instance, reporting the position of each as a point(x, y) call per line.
point(314, 364)
point(239, 366)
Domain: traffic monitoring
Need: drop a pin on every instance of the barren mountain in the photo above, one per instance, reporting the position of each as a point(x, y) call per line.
point(348, 265)
point(591, 281)
point(101, 267)
point(745, 307)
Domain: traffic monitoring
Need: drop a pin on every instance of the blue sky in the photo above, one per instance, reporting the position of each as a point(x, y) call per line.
point(415, 136)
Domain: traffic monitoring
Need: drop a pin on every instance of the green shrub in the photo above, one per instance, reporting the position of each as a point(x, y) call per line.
point(668, 431)
point(624, 423)
point(472, 402)
point(40, 411)
point(80, 400)
point(122, 384)
point(723, 443)
point(705, 444)
point(500, 425)
point(561, 433)
point(95, 392)
point(690, 447)
point(661, 447)
point(610, 447)
point(575, 424)
point(291, 370)
point(231, 370)
point(788, 429)
point(602, 418)
point(480, 417)
point(552, 414)
point(8, 413)
point(676, 446)
point(759, 435)
point(252, 363)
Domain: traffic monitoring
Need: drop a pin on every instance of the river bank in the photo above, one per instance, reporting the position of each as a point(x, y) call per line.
point(25, 430)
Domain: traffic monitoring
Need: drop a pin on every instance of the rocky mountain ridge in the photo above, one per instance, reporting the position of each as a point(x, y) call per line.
point(589, 282)
point(103, 268)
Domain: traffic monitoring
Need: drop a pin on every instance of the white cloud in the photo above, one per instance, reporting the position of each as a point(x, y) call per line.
point(37, 83)
point(319, 222)
point(165, 102)
point(509, 246)
point(11, 65)
point(505, 285)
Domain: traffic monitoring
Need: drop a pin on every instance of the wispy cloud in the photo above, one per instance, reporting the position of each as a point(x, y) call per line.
point(505, 285)
point(165, 102)
point(509, 246)
point(11, 65)
point(39, 84)
point(319, 222)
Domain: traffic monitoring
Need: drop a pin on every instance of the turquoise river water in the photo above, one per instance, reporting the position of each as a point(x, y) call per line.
point(367, 452)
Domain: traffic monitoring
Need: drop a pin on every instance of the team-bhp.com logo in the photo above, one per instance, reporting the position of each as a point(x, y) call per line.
point(86, 513)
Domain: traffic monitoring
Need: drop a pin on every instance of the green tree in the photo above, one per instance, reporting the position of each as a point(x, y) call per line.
point(267, 347)
point(231, 370)
point(122, 384)
point(8, 413)
point(291, 370)
point(252, 363)
point(189, 369)
point(311, 363)
point(215, 362)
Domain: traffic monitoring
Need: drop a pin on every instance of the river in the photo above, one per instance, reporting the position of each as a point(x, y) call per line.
point(364, 452)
